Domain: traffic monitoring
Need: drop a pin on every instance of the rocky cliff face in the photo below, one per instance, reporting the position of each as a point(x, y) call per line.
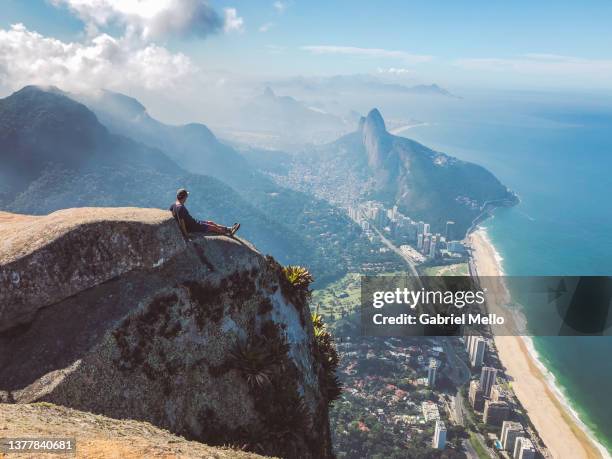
point(111, 311)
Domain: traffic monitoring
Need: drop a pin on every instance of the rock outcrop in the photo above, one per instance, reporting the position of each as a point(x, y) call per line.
point(111, 311)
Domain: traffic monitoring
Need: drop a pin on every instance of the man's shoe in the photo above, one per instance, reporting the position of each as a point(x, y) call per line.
point(234, 228)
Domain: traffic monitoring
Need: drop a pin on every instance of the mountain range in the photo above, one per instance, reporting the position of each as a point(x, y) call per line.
point(278, 121)
point(359, 83)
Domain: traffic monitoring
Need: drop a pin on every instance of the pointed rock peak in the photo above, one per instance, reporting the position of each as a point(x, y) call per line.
point(374, 121)
point(375, 138)
point(268, 92)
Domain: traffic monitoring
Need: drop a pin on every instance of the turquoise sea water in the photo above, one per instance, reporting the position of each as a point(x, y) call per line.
point(556, 152)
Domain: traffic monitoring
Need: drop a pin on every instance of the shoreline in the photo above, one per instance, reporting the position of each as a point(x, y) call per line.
point(556, 422)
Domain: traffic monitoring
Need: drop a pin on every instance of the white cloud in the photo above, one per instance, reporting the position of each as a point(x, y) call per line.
point(233, 22)
point(280, 6)
point(149, 19)
point(543, 65)
point(265, 27)
point(368, 53)
point(27, 57)
point(395, 71)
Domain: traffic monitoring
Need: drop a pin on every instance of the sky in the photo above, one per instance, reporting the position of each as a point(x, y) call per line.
point(184, 47)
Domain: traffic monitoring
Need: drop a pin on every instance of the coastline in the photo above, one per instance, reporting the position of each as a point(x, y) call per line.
point(557, 424)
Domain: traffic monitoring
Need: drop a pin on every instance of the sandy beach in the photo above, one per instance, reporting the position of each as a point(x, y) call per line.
point(561, 431)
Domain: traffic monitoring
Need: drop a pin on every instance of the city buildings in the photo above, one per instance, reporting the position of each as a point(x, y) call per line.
point(475, 396)
point(371, 215)
point(487, 380)
point(495, 413)
point(439, 438)
point(509, 433)
point(431, 373)
point(477, 351)
point(499, 394)
point(524, 449)
point(430, 411)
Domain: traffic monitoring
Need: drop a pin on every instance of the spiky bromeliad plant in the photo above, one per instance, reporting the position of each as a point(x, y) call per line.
point(328, 356)
point(298, 276)
point(258, 359)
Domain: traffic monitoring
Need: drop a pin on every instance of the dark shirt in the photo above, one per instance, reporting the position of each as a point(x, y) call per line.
point(180, 212)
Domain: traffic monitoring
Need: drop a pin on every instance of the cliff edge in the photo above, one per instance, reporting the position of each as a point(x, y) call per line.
point(111, 311)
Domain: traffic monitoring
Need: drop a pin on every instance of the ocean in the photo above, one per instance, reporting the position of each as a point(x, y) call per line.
point(555, 151)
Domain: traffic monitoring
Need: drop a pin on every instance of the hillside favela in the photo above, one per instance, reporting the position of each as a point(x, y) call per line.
point(303, 229)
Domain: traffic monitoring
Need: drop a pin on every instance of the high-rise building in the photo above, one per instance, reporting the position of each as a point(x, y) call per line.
point(426, 228)
point(432, 247)
point(449, 230)
point(495, 413)
point(431, 373)
point(510, 432)
point(523, 449)
point(477, 351)
point(420, 241)
point(381, 218)
point(487, 379)
point(439, 438)
point(475, 396)
point(421, 227)
point(468, 341)
point(426, 242)
point(499, 394)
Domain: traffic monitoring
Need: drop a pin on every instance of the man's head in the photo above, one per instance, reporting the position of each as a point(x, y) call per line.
point(181, 195)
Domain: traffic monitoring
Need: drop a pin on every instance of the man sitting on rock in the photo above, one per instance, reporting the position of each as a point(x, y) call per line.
point(188, 224)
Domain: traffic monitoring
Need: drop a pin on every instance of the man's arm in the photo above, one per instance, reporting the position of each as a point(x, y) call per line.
point(183, 227)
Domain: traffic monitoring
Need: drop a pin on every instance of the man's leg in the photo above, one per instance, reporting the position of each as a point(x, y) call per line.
point(215, 228)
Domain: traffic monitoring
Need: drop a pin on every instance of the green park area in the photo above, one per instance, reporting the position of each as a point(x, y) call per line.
point(459, 269)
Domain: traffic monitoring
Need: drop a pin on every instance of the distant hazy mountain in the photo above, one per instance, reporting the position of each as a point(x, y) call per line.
point(193, 146)
point(426, 185)
point(283, 122)
point(359, 83)
point(270, 111)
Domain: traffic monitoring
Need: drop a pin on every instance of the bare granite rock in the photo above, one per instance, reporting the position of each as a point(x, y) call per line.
point(46, 259)
point(112, 312)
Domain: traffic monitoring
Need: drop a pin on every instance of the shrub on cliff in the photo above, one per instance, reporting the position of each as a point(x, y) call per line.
point(328, 356)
